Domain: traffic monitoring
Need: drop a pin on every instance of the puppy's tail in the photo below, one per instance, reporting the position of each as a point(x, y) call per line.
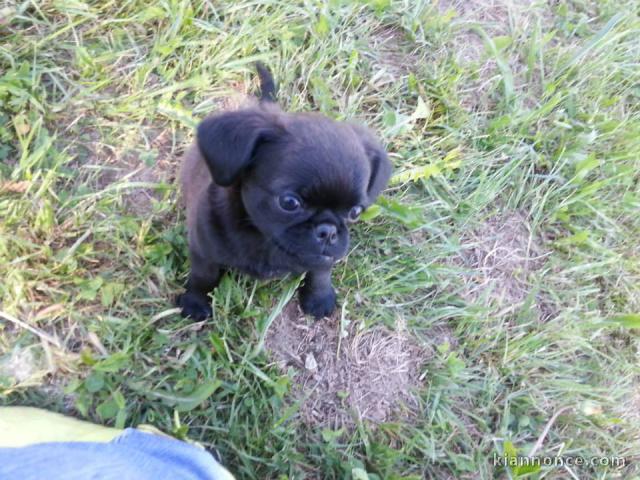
point(267, 85)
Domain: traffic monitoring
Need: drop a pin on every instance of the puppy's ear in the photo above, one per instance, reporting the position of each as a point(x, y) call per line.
point(228, 141)
point(379, 161)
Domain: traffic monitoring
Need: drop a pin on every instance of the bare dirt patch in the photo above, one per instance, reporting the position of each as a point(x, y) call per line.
point(491, 15)
point(163, 160)
point(496, 18)
point(343, 375)
point(500, 257)
point(392, 53)
point(130, 167)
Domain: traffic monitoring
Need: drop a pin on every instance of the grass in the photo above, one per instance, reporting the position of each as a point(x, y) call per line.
point(491, 110)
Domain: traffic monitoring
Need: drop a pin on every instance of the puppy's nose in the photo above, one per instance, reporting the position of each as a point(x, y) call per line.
point(326, 233)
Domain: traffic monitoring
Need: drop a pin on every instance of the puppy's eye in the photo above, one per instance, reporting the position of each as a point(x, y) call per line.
point(354, 213)
point(289, 202)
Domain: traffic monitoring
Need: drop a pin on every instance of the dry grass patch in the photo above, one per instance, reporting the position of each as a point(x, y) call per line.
point(393, 55)
point(342, 374)
point(498, 18)
point(500, 257)
point(131, 167)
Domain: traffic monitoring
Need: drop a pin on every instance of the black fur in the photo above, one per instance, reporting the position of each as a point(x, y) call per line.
point(256, 158)
point(267, 84)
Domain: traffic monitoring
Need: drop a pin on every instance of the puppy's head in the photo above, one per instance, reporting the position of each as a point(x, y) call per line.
point(303, 177)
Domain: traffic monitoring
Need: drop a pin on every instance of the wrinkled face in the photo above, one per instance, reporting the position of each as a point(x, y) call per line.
point(303, 190)
point(303, 177)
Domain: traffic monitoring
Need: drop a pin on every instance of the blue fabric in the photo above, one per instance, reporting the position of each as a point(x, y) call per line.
point(132, 455)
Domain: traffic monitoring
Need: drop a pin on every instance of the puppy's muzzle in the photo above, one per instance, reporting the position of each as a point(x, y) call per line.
point(326, 233)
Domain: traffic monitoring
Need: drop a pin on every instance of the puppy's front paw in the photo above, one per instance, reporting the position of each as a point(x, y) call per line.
point(318, 304)
point(194, 305)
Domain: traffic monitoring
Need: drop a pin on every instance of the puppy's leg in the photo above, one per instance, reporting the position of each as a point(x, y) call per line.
point(203, 278)
point(317, 296)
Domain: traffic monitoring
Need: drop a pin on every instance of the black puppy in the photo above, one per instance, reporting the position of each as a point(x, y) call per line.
point(270, 193)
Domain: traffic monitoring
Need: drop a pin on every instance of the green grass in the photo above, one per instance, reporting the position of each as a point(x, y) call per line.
point(544, 120)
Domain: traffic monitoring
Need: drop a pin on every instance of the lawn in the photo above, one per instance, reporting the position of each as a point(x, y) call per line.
point(504, 253)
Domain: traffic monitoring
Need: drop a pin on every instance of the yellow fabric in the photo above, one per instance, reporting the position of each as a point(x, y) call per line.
point(21, 426)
